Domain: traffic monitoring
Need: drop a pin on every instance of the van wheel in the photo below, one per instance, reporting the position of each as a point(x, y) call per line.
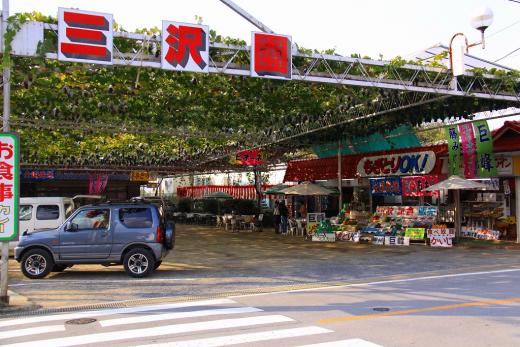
point(157, 264)
point(36, 263)
point(59, 268)
point(139, 262)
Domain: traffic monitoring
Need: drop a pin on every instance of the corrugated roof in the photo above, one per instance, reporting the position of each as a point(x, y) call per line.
point(470, 61)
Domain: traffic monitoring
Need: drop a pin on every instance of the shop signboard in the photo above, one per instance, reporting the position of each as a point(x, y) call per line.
point(415, 185)
point(397, 241)
point(397, 164)
point(385, 186)
point(38, 175)
point(407, 211)
point(9, 186)
point(454, 153)
point(249, 157)
point(185, 47)
point(271, 56)
point(348, 236)
point(313, 219)
point(414, 233)
point(485, 159)
point(323, 236)
point(139, 176)
point(504, 164)
point(441, 241)
point(85, 36)
point(378, 240)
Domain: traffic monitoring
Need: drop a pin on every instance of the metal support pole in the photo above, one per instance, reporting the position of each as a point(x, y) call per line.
point(340, 177)
point(4, 266)
point(458, 213)
point(244, 14)
point(517, 209)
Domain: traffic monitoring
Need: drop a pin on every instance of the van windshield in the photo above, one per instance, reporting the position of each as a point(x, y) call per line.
point(26, 212)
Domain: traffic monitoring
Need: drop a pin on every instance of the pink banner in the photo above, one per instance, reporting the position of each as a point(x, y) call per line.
point(469, 149)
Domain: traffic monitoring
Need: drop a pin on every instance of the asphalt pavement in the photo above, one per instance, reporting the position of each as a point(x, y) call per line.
point(466, 309)
point(208, 262)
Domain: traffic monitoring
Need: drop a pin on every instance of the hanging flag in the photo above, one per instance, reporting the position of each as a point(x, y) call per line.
point(469, 149)
point(486, 163)
point(454, 153)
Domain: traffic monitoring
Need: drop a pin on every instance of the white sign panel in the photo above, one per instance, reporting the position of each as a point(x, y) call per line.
point(9, 186)
point(185, 47)
point(85, 36)
point(397, 241)
point(27, 39)
point(398, 164)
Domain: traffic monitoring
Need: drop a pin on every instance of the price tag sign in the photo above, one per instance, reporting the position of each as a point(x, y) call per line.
point(9, 186)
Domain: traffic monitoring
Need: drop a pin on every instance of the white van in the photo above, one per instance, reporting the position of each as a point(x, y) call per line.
point(45, 213)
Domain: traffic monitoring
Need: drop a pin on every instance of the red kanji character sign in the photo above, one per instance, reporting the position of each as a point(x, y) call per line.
point(85, 36)
point(9, 186)
point(271, 56)
point(185, 47)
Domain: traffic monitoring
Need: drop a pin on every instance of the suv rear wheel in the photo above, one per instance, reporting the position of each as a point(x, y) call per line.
point(37, 263)
point(139, 262)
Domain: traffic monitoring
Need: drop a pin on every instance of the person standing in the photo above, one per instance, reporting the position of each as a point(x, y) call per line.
point(276, 217)
point(284, 214)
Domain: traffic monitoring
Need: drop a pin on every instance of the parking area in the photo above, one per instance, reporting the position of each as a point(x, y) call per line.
point(211, 262)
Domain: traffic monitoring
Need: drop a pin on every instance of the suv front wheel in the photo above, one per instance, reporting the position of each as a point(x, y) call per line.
point(139, 262)
point(37, 263)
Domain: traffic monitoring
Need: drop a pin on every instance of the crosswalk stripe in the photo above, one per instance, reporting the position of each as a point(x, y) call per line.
point(177, 315)
point(31, 331)
point(157, 331)
point(110, 312)
point(246, 338)
point(345, 343)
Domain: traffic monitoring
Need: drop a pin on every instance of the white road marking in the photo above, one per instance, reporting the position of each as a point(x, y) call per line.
point(157, 331)
point(152, 280)
point(111, 312)
point(366, 284)
point(31, 331)
point(177, 315)
point(345, 343)
point(246, 338)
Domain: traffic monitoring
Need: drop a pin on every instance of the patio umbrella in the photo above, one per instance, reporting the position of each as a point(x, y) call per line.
point(457, 184)
point(277, 189)
point(218, 195)
point(306, 189)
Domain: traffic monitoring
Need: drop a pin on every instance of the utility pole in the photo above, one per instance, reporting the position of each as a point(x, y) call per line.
point(4, 266)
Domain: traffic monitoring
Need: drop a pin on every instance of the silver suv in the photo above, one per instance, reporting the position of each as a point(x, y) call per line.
point(135, 235)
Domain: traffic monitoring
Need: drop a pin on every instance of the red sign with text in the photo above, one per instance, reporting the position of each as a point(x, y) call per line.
point(85, 36)
point(271, 56)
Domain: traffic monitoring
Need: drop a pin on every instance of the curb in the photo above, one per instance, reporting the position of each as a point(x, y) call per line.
point(17, 304)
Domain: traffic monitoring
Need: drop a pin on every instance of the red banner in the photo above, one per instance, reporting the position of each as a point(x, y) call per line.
point(469, 149)
point(238, 192)
point(414, 186)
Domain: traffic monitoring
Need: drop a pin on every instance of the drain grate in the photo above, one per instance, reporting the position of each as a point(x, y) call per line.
point(81, 321)
point(381, 309)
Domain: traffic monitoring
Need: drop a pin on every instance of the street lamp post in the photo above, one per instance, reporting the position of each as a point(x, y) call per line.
point(481, 20)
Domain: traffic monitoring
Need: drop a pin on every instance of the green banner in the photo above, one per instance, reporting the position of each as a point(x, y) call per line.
point(454, 152)
point(486, 164)
point(415, 233)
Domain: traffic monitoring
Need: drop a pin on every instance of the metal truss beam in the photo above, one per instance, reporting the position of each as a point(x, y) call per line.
point(335, 69)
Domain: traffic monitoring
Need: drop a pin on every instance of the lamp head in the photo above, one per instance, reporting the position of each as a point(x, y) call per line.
point(482, 18)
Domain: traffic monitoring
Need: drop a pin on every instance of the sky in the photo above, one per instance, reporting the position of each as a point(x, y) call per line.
point(367, 27)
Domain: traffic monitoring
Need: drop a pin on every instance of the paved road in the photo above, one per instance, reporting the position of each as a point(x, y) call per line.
point(471, 309)
point(209, 262)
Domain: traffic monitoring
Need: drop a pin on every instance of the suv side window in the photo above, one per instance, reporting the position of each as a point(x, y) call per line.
point(92, 219)
point(47, 212)
point(26, 212)
point(138, 217)
point(69, 208)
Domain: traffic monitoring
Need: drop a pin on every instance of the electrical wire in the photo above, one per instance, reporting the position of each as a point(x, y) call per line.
point(508, 54)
